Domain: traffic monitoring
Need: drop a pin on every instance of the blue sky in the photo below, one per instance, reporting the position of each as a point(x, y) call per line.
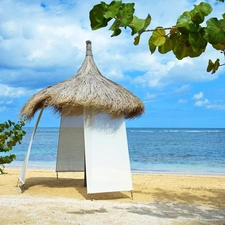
point(43, 42)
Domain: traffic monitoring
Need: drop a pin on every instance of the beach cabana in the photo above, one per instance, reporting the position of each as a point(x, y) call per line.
point(92, 136)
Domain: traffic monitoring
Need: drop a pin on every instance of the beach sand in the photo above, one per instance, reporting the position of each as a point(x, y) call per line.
point(158, 199)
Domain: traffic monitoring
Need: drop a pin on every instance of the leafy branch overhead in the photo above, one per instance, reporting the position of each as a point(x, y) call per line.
point(186, 38)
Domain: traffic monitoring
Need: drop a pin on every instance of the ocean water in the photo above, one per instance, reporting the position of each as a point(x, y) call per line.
point(185, 151)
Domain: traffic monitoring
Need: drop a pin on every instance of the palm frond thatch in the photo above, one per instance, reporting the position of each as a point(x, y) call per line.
point(88, 88)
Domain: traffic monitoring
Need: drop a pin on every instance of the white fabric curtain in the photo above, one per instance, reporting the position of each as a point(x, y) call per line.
point(70, 154)
point(106, 152)
point(23, 171)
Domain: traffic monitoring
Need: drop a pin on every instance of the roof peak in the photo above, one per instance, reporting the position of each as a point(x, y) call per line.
point(88, 48)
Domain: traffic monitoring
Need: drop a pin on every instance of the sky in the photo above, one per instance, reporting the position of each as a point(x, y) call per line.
point(42, 42)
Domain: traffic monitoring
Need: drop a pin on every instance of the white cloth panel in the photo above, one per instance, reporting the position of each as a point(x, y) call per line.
point(106, 152)
point(70, 155)
point(23, 171)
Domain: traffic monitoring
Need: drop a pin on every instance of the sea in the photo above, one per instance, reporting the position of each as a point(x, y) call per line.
point(151, 150)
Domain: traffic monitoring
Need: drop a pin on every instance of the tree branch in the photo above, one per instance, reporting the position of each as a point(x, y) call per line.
point(160, 28)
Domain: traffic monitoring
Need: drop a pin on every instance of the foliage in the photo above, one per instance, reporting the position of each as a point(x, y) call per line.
point(11, 133)
point(187, 38)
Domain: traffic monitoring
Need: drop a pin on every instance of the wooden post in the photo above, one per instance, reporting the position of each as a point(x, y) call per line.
point(85, 174)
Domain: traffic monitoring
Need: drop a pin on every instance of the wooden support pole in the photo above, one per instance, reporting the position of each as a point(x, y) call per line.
point(132, 196)
point(85, 173)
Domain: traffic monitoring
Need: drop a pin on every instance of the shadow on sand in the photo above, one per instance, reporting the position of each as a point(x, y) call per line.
point(214, 198)
point(74, 184)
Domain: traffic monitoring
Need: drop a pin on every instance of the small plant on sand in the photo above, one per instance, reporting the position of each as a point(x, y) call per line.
point(11, 133)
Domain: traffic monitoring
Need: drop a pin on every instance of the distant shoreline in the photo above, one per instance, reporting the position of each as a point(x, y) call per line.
point(51, 167)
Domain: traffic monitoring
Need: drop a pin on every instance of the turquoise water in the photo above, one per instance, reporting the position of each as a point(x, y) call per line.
point(192, 151)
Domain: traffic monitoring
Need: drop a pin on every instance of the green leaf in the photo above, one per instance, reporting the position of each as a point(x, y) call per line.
point(213, 66)
point(183, 48)
point(7, 159)
point(197, 17)
point(151, 46)
point(116, 32)
point(220, 46)
point(197, 41)
point(180, 46)
point(210, 65)
point(115, 28)
point(216, 65)
point(215, 31)
point(200, 11)
point(166, 47)
point(125, 14)
point(138, 25)
point(10, 123)
point(203, 8)
point(97, 18)
point(180, 51)
point(189, 21)
point(137, 40)
point(159, 36)
point(185, 23)
point(112, 9)
point(123, 18)
point(10, 135)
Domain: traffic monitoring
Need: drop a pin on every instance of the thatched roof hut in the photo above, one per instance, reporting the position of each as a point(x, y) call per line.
point(92, 136)
point(88, 88)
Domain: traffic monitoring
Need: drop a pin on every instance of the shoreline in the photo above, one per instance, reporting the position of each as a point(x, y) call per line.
point(136, 173)
point(18, 166)
point(132, 172)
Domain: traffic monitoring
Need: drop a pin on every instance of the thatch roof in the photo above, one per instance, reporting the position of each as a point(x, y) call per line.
point(88, 88)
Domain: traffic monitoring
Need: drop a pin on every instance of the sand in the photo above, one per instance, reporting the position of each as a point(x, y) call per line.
point(158, 199)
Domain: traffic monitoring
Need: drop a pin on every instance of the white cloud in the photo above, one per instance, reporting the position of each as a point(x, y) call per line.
point(216, 107)
point(202, 103)
point(6, 102)
point(157, 76)
point(163, 70)
point(42, 45)
point(9, 102)
point(166, 13)
point(149, 97)
point(183, 89)
point(55, 38)
point(185, 61)
point(2, 108)
point(182, 101)
point(198, 96)
point(7, 91)
point(52, 39)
